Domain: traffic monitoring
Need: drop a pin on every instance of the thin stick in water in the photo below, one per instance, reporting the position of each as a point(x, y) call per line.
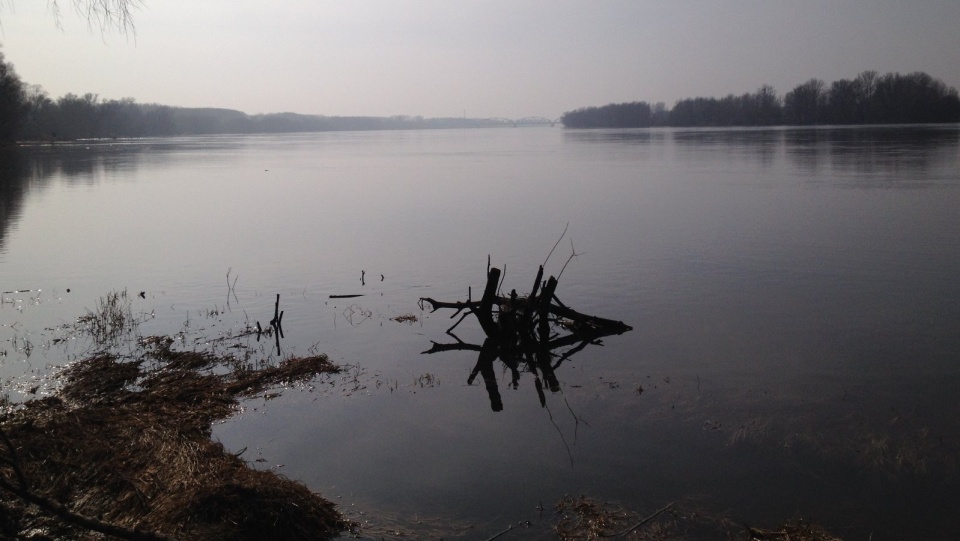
point(557, 244)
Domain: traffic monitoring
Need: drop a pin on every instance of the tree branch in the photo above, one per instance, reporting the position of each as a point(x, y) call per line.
point(106, 14)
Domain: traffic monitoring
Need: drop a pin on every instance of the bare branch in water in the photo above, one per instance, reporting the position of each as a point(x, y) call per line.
point(557, 244)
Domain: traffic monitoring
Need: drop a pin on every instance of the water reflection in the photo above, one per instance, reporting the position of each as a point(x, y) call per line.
point(12, 188)
point(861, 154)
point(27, 168)
point(868, 155)
point(84, 162)
point(543, 361)
point(808, 311)
point(754, 144)
point(35, 167)
point(628, 136)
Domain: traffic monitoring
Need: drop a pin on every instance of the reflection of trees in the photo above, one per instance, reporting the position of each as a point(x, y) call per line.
point(640, 137)
point(34, 167)
point(760, 143)
point(535, 334)
point(12, 189)
point(888, 151)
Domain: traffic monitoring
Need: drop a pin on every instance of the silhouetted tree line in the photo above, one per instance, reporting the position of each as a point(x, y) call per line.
point(868, 99)
point(28, 113)
point(615, 115)
point(12, 101)
point(75, 117)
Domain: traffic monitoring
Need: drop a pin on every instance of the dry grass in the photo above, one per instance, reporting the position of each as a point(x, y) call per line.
point(131, 446)
point(585, 519)
point(792, 531)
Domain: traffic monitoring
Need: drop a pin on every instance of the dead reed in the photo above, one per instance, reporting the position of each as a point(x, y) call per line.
point(128, 442)
point(583, 518)
point(111, 321)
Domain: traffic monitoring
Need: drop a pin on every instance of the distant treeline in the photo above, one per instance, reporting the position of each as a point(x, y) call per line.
point(869, 99)
point(27, 113)
point(75, 117)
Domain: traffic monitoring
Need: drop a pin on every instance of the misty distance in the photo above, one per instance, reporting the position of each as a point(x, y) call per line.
point(27, 113)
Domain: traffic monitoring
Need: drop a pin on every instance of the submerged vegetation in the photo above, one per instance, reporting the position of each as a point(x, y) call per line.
point(112, 320)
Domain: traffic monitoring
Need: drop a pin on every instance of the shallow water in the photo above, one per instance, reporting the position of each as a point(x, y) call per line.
point(792, 293)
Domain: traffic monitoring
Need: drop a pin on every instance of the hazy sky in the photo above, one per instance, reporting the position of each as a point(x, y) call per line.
point(511, 58)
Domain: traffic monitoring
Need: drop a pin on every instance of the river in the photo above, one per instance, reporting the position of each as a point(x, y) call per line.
point(793, 295)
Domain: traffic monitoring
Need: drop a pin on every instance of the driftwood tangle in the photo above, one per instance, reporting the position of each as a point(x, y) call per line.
point(523, 330)
point(535, 311)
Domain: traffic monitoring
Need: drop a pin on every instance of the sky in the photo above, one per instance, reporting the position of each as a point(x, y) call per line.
point(481, 59)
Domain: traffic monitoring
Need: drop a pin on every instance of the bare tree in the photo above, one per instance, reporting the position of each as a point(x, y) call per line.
point(104, 14)
point(13, 105)
point(803, 104)
point(107, 14)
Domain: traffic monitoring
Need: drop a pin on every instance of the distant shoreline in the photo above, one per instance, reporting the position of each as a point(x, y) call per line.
point(870, 98)
point(35, 143)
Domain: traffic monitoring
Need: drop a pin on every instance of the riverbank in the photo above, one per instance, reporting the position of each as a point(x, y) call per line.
point(124, 448)
point(120, 444)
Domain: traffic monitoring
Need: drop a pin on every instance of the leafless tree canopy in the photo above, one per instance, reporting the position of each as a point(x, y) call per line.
point(105, 14)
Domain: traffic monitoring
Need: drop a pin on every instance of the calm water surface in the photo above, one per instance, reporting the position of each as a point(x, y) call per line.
point(793, 294)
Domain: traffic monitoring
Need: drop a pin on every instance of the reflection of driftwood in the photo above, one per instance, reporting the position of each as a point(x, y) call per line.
point(523, 331)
